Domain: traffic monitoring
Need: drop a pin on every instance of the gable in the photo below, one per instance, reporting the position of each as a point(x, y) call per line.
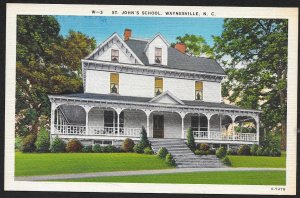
point(166, 98)
point(157, 42)
point(103, 51)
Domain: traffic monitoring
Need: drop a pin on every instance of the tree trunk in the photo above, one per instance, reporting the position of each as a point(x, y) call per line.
point(283, 135)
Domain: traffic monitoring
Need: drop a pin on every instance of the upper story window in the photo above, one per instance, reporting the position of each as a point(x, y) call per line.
point(115, 55)
point(158, 55)
point(198, 90)
point(158, 86)
point(114, 83)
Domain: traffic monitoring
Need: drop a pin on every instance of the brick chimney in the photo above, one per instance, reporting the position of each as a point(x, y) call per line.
point(127, 34)
point(180, 47)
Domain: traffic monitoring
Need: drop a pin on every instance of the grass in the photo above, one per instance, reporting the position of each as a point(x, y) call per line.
point(63, 163)
point(229, 177)
point(258, 161)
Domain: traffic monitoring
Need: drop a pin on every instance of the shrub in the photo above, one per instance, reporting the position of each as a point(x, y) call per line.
point(198, 152)
point(266, 152)
point(74, 146)
point(162, 152)
point(204, 147)
point(18, 142)
point(148, 150)
point(58, 145)
point(226, 161)
point(221, 152)
point(253, 149)
point(110, 149)
point(87, 149)
point(42, 142)
point(138, 148)
point(128, 145)
point(28, 143)
point(190, 140)
point(244, 150)
point(212, 151)
point(144, 142)
point(260, 151)
point(170, 160)
point(275, 152)
point(97, 148)
point(229, 151)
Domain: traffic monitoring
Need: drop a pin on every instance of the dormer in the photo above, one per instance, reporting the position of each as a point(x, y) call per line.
point(157, 50)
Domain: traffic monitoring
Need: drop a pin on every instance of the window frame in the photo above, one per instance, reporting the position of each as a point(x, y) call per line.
point(116, 84)
point(200, 91)
point(115, 56)
point(158, 56)
point(158, 87)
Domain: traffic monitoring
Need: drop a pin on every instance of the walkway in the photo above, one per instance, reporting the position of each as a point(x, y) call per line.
point(140, 172)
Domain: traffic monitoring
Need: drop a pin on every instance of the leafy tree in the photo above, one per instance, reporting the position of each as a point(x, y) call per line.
point(195, 45)
point(47, 63)
point(254, 54)
point(42, 142)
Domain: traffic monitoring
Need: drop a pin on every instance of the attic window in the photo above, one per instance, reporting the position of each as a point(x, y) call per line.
point(115, 55)
point(158, 55)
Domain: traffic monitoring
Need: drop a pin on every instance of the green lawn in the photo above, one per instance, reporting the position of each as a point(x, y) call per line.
point(258, 161)
point(63, 163)
point(233, 177)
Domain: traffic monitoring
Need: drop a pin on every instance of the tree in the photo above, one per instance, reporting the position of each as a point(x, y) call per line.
point(195, 45)
point(254, 54)
point(47, 63)
point(190, 140)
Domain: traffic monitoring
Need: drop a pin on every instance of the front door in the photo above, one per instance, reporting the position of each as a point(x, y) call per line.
point(158, 126)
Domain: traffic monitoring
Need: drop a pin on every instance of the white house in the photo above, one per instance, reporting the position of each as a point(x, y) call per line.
point(129, 83)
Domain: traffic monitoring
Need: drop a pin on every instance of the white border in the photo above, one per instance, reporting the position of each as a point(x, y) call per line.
point(219, 12)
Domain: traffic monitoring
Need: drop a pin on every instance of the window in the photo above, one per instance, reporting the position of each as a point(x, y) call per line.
point(198, 90)
point(158, 86)
point(115, 55)
point(114, 83)
point(111, 121)
point(199, 123)
point(158, 55)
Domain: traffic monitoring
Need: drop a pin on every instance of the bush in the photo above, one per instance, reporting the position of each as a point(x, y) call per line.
point(266, 152)
point(128, 145)
point(170, 160)
point(28, 143)
point(138, 148)
point(144, 142)
point(244, 150)
point(87, 149)
point(204, 147)
point(226, 161)
point(42, 142)
point(275, 152)
point(74, 146)
point(253, 149)
point(148, 150)
point(97, 148)
point(229, 151)
point(18, 142)
point(162, 152)
point(58, 145)
point(190, 140)
point(198, 152)
point(110, 149)
point(212, 151)
point(259, 151)
point(221, 152)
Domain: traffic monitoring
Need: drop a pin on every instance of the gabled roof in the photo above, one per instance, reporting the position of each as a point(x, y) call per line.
point(176, 59)
point(114, 35)
point(157, 35)
point(169, 95)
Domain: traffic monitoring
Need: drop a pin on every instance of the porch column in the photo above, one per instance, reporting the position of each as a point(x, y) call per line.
point(257, 129)
point(118, 110)
point(233, 131)
point(148, 112)
point(208, 116)
point(182, 115)
point(87, 109)
point(52, 129)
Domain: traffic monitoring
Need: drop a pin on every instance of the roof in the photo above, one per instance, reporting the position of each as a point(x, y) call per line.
point(176, 59)
point(116, 97)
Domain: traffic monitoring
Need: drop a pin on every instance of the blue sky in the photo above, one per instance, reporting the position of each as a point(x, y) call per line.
point(142, 27)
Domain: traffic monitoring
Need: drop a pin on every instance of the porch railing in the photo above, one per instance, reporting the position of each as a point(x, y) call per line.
point(96, 130)
point(216, 135)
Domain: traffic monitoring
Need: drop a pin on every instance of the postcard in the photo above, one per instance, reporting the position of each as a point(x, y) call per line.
point(151, 99)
